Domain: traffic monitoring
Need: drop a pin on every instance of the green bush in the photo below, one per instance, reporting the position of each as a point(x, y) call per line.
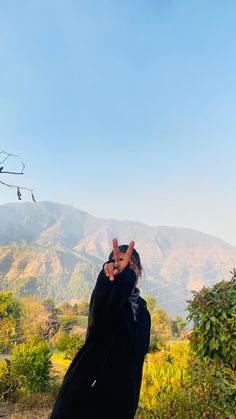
point(178, 385)
point(70, 344)
point(67, 322)
point(10, 313)
point(213, 312)
point(156, 343)
point(63, 342)
point(4, 377)
point(30, 367)
point(74, 345)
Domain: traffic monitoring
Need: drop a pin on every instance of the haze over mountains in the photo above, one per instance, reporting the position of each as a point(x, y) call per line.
point(55, 250)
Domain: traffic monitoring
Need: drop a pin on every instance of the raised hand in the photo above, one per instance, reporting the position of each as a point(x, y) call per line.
point(112, 269)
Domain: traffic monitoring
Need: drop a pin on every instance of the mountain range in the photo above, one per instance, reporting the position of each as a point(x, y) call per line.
point(55, 250)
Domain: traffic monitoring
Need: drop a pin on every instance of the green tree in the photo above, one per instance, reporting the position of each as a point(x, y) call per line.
point(160, 329)
point(67, 323)
point(213, 312)
point(177, 325)
point(81, 308)
point(161, 323)
point(62, 341)
point(10, 312)
point(4, 377)
point(75, 343)
point(151, 303)
point(34, 318)
point(30, 367)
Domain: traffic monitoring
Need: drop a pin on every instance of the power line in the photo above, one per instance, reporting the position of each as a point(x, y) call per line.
point(171, 284)
point(207, 282)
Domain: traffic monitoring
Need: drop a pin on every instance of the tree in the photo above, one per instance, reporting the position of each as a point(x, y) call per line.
point(76, 342)
point(4, 157)
point(81, 308)
point(160, 329)
point(213, 312)
point(34, 320)
point(151, 303)
point(161, 323)
point(177, 325)
point(30, 367)
point(10, 312)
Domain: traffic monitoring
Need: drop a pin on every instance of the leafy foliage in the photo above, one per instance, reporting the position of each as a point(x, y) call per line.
point(213, 312)
point(70, 344)
point(81, 308)
point(9, 319)
point(178, 385)
point(30, 367)
point(151, 303)
point(33, 320)
point(4, 376)
point(67, 322)
point(75, 343)
point(177, 325)
point(160, 329)
point(62, 342)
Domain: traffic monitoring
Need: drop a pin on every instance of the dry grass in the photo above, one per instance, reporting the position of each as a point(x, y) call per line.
point(28, 407)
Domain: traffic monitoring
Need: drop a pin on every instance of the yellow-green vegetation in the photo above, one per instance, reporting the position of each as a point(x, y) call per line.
point(196, 380)
point(83, 321)
point(163, 371)
point(213, 311)
point(10, 311)
point(182, 379)
point(60, 364)
point(176, 384)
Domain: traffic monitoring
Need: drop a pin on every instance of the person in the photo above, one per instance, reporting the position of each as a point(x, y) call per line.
point(103, 381)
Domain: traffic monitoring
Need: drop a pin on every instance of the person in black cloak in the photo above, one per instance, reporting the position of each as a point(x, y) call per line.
point(103, 380)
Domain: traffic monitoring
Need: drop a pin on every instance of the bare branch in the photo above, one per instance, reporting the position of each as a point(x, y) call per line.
point(23, 166)
point(11, 173)
point(7, 156)
point(17, 187)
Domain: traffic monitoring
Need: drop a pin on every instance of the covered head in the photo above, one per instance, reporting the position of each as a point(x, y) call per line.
point(135, 258)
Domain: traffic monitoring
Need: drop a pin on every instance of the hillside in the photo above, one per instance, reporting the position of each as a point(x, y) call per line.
point(51, 249)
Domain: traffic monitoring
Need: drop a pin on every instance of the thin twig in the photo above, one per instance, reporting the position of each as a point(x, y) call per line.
point(15, 186)
point(23, 166)
point(7, 156)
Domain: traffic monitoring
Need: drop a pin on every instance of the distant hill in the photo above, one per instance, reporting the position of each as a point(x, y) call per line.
point(55, 250)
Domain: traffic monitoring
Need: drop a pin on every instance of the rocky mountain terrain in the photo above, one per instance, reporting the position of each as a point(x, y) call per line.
point(54, 250)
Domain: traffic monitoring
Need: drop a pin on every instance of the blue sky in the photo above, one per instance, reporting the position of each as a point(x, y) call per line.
point(125, 109)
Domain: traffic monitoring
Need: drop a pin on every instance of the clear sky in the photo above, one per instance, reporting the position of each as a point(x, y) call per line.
point(125, 109)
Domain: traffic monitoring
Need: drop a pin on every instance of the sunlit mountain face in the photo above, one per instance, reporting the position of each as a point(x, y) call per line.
point(49, 249)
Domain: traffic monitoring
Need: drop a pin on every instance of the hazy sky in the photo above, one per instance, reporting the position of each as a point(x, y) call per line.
point(125, 109)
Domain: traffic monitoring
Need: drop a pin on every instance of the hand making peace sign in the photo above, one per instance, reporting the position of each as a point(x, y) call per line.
point(113, 268)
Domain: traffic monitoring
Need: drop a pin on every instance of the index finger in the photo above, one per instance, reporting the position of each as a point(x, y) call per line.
point(129, 251)
point(116, 252)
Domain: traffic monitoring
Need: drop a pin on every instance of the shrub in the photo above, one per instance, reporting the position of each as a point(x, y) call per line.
point(10, 313)
point(67, 322)
point(178, 385)
point(70, 344)
point(74, 345)
point(156, 343)
point(30, 367)
point(4, 377)
point(62, 342)
point(213, 312)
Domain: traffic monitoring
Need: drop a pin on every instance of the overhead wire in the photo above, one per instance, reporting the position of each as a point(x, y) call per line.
point(193, 278)
point(207, 282)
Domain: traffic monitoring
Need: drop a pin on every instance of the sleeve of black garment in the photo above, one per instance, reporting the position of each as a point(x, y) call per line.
point(109, 296)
